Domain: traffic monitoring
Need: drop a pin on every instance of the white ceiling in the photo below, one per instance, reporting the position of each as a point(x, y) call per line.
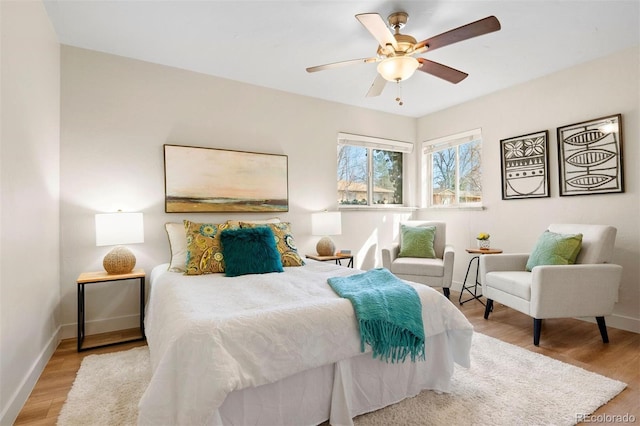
point(270, 43)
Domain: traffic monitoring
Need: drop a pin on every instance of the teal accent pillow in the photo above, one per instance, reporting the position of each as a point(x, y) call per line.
point(555, 249)
point(417, 241)
point(250, 251)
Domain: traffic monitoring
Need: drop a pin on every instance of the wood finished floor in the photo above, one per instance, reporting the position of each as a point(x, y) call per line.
point(569, 340)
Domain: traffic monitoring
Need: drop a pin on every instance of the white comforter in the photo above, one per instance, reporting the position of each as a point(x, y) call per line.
point(210, 335)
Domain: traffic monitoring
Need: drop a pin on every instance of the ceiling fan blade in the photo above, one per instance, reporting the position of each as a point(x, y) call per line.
point(377, 87)
point(378, 29)
point(474, 29)
point(341, 64)
point(444, 72)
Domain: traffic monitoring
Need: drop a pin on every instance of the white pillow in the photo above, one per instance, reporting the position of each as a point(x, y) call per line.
point(178, 246)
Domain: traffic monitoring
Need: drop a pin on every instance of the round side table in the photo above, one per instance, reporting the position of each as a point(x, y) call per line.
point(474, 295)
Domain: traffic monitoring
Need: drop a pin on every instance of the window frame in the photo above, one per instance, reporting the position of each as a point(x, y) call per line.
point(372, 143)
point(446, 142)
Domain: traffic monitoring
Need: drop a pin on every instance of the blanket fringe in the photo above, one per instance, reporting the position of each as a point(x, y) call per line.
point(390, 342)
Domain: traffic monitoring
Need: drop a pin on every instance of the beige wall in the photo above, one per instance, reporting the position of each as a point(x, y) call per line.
point(116, 115)
point(603, 87)
point(29, 200)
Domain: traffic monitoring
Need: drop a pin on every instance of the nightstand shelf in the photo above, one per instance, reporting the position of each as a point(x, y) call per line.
point(338, 258)
point(101, 277)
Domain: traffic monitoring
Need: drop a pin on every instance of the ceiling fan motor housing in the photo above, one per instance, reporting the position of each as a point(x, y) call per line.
point(404, 43)
point(398, 20)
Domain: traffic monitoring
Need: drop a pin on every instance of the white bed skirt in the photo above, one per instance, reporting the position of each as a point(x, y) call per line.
point(348, 388)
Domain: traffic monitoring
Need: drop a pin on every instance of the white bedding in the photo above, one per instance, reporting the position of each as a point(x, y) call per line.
point(211, 335)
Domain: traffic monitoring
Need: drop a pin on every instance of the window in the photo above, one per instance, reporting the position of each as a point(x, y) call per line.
point(370, 170)
point(452, 173)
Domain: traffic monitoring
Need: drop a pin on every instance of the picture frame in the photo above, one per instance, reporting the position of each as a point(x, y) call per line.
point(525, 166)
point(211, 180)
point(590, 157)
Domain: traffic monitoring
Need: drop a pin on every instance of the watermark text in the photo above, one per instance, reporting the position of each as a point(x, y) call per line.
point(605, 418)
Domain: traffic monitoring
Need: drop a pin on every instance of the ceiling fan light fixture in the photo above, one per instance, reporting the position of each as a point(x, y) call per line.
point(398, 68)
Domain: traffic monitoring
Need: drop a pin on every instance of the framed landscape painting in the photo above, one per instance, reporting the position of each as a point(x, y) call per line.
point(209, 180)
point(525, 166)
point(590, 157)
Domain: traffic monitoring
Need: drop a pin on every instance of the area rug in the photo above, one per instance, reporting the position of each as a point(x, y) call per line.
point(505, 385)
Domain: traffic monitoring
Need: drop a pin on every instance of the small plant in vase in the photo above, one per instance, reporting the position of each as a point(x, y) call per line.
point(483, 241)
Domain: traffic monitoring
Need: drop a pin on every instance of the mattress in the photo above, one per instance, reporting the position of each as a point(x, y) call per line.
point(280, 348)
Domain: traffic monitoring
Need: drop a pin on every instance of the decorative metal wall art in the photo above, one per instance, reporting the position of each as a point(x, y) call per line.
point(590, 157)
point(525, 166)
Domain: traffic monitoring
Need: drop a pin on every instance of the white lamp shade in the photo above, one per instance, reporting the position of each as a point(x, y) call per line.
point(398, 68)
point(326, 223)
point(119, 228)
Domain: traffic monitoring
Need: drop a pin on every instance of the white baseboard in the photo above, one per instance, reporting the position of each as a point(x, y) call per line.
point(20, 396)
point(70, 331)
point(457, 285)
point(625, 323)
point(620, 322)
point(67, 331)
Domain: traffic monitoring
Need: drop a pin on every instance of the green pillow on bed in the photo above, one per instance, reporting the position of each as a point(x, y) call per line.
point(250, 251)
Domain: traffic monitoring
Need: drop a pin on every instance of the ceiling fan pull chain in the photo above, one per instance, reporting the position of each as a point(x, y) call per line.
point(399, 97)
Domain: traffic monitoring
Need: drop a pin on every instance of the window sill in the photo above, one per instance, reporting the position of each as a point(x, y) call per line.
point(377, 208)
point(467, 208)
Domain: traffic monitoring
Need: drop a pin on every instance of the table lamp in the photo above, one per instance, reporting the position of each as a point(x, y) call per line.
point(326, 223)
point(117, 229)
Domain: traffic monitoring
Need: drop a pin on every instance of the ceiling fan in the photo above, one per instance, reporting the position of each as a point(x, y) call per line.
point(395, 55)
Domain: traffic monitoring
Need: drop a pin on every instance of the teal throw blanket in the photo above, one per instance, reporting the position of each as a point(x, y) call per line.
point(389, 313)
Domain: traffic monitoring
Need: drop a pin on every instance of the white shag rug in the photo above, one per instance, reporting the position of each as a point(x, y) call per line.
point(505, 385)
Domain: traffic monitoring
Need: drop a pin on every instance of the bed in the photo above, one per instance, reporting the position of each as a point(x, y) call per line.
point(279, 349)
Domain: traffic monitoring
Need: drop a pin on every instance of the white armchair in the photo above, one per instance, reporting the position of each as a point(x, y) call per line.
point(436, 272)
point(588, 288)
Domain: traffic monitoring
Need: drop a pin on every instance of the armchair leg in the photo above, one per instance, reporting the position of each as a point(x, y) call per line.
point(488, 308)
point(446, 292)
point(537, 327)
point(603, 329)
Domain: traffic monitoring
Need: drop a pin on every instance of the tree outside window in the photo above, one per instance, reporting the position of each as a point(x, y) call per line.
point(368, 176)
point(454, 173)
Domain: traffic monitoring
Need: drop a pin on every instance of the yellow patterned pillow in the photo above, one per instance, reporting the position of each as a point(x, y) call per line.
point(204, 250)
point(285, 243)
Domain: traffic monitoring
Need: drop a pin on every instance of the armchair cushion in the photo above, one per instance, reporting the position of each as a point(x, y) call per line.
point(418, 266)
point(517, 283)
point(417, 241)
point(555, 249)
